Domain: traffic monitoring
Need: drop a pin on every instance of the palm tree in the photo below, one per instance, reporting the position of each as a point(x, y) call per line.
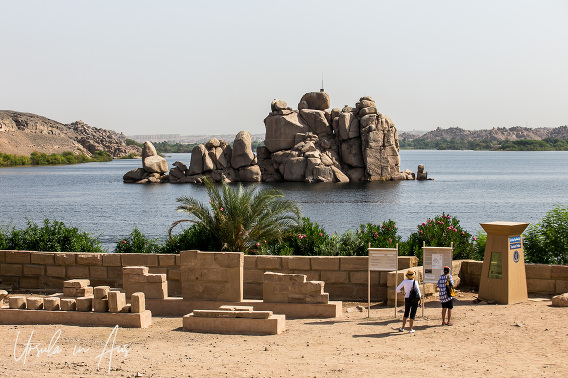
point(240, 218)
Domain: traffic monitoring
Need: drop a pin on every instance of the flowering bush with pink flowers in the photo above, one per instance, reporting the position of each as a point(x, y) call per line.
point(441, 231)
point(136, 242)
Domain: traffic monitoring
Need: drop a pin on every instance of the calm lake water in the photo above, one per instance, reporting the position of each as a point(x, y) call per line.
point(474, 186)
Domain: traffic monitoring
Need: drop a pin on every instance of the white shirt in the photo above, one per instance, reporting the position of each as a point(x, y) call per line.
point(407, 285)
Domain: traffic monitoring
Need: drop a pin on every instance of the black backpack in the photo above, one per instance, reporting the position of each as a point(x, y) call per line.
point(414, 297)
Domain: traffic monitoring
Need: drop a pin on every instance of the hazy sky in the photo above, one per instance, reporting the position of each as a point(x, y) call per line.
point(188, 67)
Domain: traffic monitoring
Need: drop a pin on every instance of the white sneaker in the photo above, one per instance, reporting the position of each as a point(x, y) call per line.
point(411, 331)
point(400, 330)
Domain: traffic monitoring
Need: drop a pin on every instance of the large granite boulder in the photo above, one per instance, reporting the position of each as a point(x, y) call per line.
point(155, 164)
point(250, 173)
point(351, 153)
point(281, 130)
point(200, 161)
point(295, 169)
point(316, 121)
point(316, 100)
point(134, 175)
point(148, 150)
point(242, 151)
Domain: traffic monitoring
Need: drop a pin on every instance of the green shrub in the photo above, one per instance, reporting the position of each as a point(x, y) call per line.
point(304, 240)
point(440, 232)
point(547, 242)
point(194, 237)
point(311, 240)
point(479, 243)
point(52, 237)
point(136, 242)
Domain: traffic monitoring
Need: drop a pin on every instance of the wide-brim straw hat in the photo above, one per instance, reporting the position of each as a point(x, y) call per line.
point(410, 274)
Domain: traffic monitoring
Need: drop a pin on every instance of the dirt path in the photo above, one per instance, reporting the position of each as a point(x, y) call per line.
point(527, 339)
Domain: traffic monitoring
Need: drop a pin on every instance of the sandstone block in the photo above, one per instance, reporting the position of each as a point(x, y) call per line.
point(98, 272)
point(101, 292)
point(18, 257)
point(89, 259)
point(167, 260)
point(139, 259)
point(42, 258)
point(78, 271)
point(11, 269)
point(156, 278)
point(100, 305)
point(295, 262)
point(351, 263)
point(325, 263)
point(268, 262)
point(55, 271)
point(135, 270)
point(112, 259)
point(538, 271)
point(51, 303)
point(138, 303)
point(64, 258)
point(34, 303)
point(68, 304)
point(540, 286)
point(76, 283)
point(335, 277)
point(69, 291)
point(229, 259)
point(174, 274)
point(559, 272)
point(17, 301)
point(116, 301)
point(84, 304)
point(560, 300)
point(84, 291)
point(561, 287)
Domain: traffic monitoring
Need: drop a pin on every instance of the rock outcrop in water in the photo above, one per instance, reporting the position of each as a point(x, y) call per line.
point(24, 133)
point(311, 144)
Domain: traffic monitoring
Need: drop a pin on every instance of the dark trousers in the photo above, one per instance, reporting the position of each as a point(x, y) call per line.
point(410, 308)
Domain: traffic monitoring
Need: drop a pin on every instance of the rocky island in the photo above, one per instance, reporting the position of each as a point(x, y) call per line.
point(310, 144)
point(24, 133)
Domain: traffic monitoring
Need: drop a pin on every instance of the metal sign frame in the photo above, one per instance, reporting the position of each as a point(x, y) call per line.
point(381, 259)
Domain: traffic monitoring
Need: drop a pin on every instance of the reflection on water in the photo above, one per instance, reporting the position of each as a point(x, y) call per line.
point(474, 186)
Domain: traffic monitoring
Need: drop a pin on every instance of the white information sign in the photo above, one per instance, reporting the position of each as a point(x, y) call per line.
point(384, 259)
point(381, 259)
point(434, 260)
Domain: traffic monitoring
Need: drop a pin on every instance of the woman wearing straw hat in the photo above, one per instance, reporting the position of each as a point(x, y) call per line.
point(410, 304)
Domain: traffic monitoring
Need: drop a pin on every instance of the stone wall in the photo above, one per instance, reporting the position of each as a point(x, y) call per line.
point(345, 277)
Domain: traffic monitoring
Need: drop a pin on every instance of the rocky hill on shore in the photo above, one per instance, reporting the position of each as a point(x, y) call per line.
point(495, 134)
point(24, 133)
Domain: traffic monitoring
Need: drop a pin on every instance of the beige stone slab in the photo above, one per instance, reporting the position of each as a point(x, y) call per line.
point(34, 303)
point(85, 291)
point(116, 301)
point(139, 270)
point(68, 304)
point(100, 305)
point(175, 306)
point(84, 304)
point(232, 314)
point(236, 308)
point(14, 316)
point(76, 283)
point(101, 292)
point(51, 303)
point(274, 325)
point(17, 302)
point(138, 302)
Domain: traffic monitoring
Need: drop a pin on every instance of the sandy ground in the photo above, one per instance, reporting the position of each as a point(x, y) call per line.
point(526, 339)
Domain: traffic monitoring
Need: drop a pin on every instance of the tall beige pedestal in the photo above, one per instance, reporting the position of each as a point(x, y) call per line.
point(503, 277)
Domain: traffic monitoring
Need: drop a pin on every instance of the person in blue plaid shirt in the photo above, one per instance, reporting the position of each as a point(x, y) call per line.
point(446, 299)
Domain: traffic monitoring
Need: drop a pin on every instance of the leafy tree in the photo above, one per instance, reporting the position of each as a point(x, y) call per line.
point(547, 242)
point(239, 218)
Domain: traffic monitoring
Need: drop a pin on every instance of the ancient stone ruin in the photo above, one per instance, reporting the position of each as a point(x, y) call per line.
point(311, 144)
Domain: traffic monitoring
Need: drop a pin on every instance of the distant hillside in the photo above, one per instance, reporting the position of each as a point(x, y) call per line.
point(24, 133)
point(494, 134)
point(189, 139)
